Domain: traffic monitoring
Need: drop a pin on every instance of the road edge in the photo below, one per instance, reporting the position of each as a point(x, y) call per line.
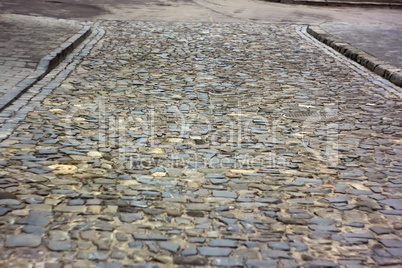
point(46, 64)
point(382, 68)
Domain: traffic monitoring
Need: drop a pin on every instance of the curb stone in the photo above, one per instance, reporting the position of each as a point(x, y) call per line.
point(382, 68)
point(46, 64)
point(339, 3)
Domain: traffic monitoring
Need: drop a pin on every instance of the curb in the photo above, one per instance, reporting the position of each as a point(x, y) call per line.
point(46, 64)
point(339, 3)
point(382, 68)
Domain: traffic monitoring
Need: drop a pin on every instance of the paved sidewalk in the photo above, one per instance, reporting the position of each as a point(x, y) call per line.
point(381, 41)
point(376, 47)
point(24, 41)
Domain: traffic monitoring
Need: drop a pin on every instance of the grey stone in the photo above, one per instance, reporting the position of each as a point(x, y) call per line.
point(224, 194)
point(382, 252)
point(339, 199)
point(274, 254)
point(58, 235)
point(268, 200)
point(23, 240)
point(391, 212)
point(215, 176)
point(394, 203)
point(104, 181)
point(9, 202)
point(252, 244)
point(189, 252)
point(118, 254)
point(109, 265)
point(146, 265)
point(152, 246)
point(261, 263)
point(130, 217)
point(227, 221)
point(125, 177)
point(191, 260)
point(141, 204)
point(151, 193)
point(122, 237)
point(299, 247)
point(359, 235)
point(31, 229)
point(324, 228)
point(154, 211)
point(288, 263)
point(228, 262)
point(212, 251)
point(320, 264)
point(279, 245)
point(383, 261)
point(99, 255)
point(59, 245)
point(46, 151)
point(222, 243)
point(218, 181)
point(135, 244)
point(302, 181)
point(38, 171)
point(379, 230)
point(7, 195)
point(341, 188)
point(356, 224)
point(391, 243)
point(200, 207)
point(4, 211)
point(396, 252)
point(169, 246)
point(155, 237)
point(359, 192)
point(196, 239)
point(76, 202)
point(35, 200)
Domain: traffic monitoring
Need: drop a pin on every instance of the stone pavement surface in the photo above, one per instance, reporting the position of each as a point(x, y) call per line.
point(24, 41)
point(381, 41)
point(203, 144)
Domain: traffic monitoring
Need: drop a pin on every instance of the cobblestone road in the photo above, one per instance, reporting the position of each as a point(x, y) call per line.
point(228, 145)
point(20, 53)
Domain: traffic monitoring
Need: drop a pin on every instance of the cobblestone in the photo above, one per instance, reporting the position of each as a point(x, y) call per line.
point(167, 145)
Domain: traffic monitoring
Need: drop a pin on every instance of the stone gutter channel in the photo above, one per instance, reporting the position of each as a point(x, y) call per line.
point(46, 64)
point(382, 68)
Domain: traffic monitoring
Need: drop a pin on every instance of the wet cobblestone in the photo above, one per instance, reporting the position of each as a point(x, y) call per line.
point(168, 145)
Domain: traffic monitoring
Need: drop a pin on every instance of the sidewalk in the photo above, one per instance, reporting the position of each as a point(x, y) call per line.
point(377, 47)
point(24, 42)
